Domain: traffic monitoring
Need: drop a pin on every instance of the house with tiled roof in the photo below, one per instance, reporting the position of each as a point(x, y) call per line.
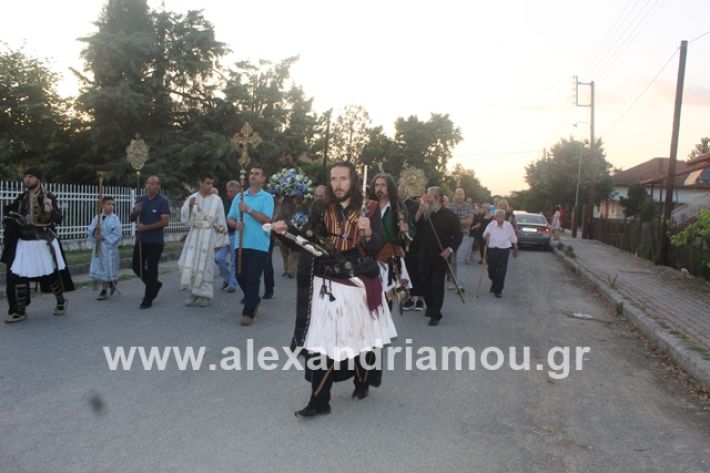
point(691, 185)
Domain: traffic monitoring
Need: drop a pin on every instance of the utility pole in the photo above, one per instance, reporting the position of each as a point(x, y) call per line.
point(665, 224)
point(588, 214)
point(576, 193)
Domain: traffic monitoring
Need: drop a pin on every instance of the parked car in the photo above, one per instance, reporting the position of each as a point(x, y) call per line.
point(533, 229)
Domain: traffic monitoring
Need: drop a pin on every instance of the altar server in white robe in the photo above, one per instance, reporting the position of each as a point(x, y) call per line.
point(203, 213)
point(105, 232)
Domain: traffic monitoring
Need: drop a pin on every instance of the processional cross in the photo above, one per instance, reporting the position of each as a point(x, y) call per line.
point(245, 137)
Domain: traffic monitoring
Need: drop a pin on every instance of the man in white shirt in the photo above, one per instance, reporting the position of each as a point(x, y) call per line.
point(500, 237)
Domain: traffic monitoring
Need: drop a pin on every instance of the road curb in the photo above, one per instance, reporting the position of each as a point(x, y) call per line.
point(694, 364)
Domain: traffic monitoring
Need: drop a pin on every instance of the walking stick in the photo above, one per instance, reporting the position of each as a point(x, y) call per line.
point(245, 137)
point(241, 220)
point(137, 154)
point(97, 248)
point(459, 291)
point(480, 276)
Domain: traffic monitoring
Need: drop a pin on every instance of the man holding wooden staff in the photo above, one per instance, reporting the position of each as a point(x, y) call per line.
point(250, 210)
point(152, 211)
point(439, 236)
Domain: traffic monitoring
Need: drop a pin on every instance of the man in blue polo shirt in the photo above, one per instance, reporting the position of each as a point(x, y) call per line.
point(152, 212)
point(256, 210)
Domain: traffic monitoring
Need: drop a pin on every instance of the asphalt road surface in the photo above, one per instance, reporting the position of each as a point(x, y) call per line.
point(63, 410)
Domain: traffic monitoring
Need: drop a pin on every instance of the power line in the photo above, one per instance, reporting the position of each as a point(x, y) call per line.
point(499, 153)
point(607, 36)
point(697, 38)
point(625, 25)
point(640, 95)
point(630, 38)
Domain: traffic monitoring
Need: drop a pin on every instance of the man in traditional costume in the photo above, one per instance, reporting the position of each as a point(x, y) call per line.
point(31, 250)
point(203, 213)
point(341, 315)
point(106, 233)
point(398, 232)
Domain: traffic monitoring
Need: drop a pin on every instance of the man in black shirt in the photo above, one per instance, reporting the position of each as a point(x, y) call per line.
point(151, 214)
point(439, 235)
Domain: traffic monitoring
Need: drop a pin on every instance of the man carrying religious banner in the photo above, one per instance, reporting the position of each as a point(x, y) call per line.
point(203, 212)
point(105, 232)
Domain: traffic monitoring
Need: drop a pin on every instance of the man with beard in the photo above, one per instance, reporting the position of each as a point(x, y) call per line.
point(341, 317)
point(257, 208)
point(31, 251)
point(398, 232)
point(500, 236)
point(439, 234)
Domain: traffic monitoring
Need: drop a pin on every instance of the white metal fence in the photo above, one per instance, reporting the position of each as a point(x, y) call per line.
point(79, 204)
point(683, 213)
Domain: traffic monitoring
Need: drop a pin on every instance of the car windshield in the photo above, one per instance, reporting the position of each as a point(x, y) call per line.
point(529, 218)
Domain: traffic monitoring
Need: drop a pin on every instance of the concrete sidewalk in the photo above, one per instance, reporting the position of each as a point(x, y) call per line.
point(670, 307)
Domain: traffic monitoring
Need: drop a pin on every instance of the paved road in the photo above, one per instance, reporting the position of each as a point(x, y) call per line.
point(63, 410)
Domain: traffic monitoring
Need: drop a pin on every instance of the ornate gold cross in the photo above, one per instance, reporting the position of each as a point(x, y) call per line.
point(244, 138)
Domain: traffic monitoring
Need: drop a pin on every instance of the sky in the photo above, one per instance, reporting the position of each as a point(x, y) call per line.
point(503, 71)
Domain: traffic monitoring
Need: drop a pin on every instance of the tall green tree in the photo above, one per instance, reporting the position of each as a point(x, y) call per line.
point(264, 95)
point(350, 134)
point(553, 177)
point(33, 122)
point(427, 145)
point(151, 73)
point(469, 182)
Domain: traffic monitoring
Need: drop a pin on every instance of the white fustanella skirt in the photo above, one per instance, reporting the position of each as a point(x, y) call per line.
point(33, 258)
point(345, 327)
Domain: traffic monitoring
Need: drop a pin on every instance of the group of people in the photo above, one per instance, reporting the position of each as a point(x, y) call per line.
point(353, 256)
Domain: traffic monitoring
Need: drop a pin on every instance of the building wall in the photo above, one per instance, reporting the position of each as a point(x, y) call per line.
point(611, 208)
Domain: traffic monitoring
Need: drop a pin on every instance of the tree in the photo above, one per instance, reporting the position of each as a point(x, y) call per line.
point(350, 134)
point(701, 148)
point(382, 151)
point(467, 180)
point(698, 230)
point(150, 73)
point(553, 178)
point(33, 127)
point(638, 204)
point(427, 145)
point(262, 94)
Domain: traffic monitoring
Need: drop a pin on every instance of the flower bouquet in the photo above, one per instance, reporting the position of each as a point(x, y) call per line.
point(290, 183)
